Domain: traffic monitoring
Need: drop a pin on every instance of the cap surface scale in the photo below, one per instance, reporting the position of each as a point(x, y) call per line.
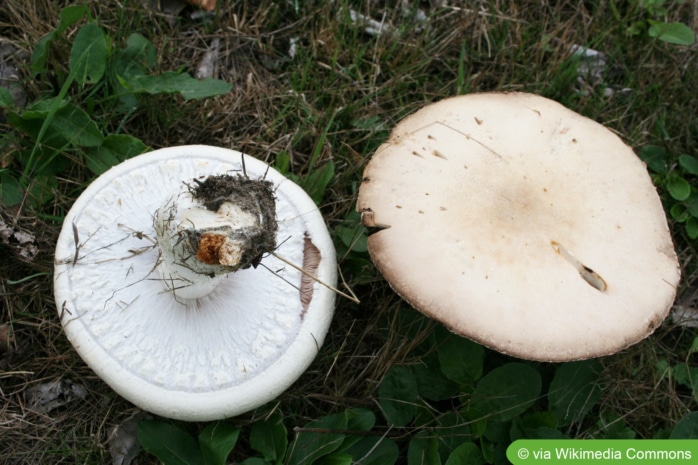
point(522, 225)
point(215, 356)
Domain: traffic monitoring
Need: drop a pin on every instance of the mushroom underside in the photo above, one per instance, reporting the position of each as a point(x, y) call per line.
point(221, 353)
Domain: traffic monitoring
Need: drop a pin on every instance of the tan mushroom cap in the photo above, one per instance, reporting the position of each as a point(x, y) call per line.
point(522, 225)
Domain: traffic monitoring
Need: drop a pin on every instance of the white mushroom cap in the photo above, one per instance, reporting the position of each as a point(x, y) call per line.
point(215, 356)
point(521, 225)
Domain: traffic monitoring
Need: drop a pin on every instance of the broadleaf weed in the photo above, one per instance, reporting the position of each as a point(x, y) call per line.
point(73, 122)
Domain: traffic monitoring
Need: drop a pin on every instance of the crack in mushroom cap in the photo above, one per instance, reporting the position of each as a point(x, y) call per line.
point(522, 225)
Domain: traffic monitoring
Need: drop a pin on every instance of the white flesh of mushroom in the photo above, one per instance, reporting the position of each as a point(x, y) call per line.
point(181, 217)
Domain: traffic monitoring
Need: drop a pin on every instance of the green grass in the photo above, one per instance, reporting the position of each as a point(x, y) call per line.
point(320, 115)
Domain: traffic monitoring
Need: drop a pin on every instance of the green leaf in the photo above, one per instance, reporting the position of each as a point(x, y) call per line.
point(216, 441)
point(42, 187)
point(11, 192)
point(423, 450)
point(335, 459)
point(6, 99)
point(655, 158)
point(358, 419)
point(282, 163)
point(269, 437)
point(136, 59)
point(477, 422)
point(52, 143)
point(353, 236)
point(692, 208)
point(76, 127)
point(686, 428)
point(575, 389)
point(68, 16)
point(498, 431)
point(531, 422)
point(461, 359)
point(432, 384)
point(88, 57)
point(692, 227)
point(255, 461)
point(398, 395)
point(316, 182)
point(612, 426)
point(689, 163)
point(69, 122)
point(41, 108)
point(40, 53)
point(452, 430)
point(374, 451)
point(487, 449)
point(678, 188)
point(679, 212)
point(545, 432)
point(129, 63)
point(673, 33)
point(115, 149)
point(507, 391)
point(71, 15)
point(310, 446)
point(171, 82)
point(467, 453)
point(169, 443)
point(688, 376)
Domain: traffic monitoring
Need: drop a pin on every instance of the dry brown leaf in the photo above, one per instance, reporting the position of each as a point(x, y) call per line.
point(208, 5)
point(4, 338)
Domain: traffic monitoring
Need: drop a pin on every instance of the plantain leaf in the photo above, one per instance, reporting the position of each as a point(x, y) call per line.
point(88, 57)
point(216, 442)
point(575, 389)
point(113, 150)
point(398, 395)
point(269, 437)
point(171, 82)
point(507, 391)
point(169, 443)
point(673, 33)
point(689, 163)
point(68, 16)
point(678, 188)
point(309, 446)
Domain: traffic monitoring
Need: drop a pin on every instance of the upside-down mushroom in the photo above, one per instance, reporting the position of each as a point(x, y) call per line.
point(181, 279)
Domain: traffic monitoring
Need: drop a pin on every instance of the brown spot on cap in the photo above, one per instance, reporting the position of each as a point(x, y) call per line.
point(209, 248)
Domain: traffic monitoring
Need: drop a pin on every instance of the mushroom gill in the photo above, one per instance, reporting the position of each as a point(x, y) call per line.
point(311, 261)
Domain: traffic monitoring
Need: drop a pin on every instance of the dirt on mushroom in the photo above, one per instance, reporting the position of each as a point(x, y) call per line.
point(254, 196)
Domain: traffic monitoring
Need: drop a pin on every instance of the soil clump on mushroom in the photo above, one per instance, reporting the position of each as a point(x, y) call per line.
point(254, 196)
